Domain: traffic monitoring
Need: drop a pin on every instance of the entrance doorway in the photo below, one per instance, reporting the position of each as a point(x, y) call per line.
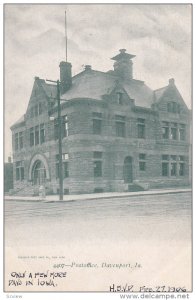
point(38, 173)
point(127, 170)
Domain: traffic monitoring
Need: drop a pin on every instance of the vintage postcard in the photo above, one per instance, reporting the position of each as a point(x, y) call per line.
point(98, 148)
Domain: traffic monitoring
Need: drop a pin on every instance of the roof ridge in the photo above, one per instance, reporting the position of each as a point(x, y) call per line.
point(95, 71)
point(161, 88)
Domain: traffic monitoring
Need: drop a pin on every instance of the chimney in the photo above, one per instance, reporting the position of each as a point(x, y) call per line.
point(65, 76)
point(87, 67)
point(171, 81)
point(123, 66)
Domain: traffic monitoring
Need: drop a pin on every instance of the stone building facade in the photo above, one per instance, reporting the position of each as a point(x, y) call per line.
point(117, 133)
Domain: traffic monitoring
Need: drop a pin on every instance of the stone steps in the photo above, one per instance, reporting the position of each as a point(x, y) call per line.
point(27, 191)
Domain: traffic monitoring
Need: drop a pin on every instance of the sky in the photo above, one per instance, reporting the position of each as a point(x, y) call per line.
point(34, 45)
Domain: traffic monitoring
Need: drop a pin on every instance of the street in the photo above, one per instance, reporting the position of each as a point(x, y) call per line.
point(161, 216)
point(90, 239)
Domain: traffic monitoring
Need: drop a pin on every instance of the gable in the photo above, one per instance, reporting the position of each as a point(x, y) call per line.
point(119, 96)
point(38, 102)
point(169, 99)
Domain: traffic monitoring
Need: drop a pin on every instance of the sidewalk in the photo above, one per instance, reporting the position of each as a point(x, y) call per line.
point(55, 198)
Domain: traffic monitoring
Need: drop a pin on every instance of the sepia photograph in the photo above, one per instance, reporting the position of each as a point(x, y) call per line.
point(98, 148)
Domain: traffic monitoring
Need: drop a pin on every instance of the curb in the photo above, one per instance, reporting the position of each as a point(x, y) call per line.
point(114, 196)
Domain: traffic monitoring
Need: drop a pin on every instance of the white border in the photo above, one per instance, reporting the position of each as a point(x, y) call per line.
point(81, 296)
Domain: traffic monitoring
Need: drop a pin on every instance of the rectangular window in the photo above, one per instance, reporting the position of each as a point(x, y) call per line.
point(17, 174)
point(32, 136)
point(169, 107)
point(173, 165)
point(97, 123)
point(36, 110)
point(64, 128)
point(173, 169)
point(36, 135)
point(174, 131)
point(141, 128)
point(181, 169)
point(119, 98)
point(97, 168)
point(120, 129)
point(32, 112)
point(173, 107)
point(182, 132)
point(97, 126)
point(165, 130)
point(141, 131)
point(16, 141)
point(120, 125)
point(165, 169)
point(181, 165)
point(20, 170)
point(21, 139)
point(40, 108)
point(142, 162)
point(181, 157)
point(22, 173)
point(142, 165)
point(65, 169)
point(42, 133)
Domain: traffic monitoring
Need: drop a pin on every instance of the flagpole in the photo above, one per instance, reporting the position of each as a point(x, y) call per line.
point(65, 35)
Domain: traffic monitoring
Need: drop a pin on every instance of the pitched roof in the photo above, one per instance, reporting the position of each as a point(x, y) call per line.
point(18, 122)
point(94, 84)
point(90, 84)
point(50, 89)
point(159, 92)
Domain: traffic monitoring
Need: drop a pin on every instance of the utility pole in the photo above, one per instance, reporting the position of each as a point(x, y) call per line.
point(59, 139)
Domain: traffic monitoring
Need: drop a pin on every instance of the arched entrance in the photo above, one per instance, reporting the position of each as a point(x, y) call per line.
point(128, 170)
point(38, 173)
point(38, 170)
